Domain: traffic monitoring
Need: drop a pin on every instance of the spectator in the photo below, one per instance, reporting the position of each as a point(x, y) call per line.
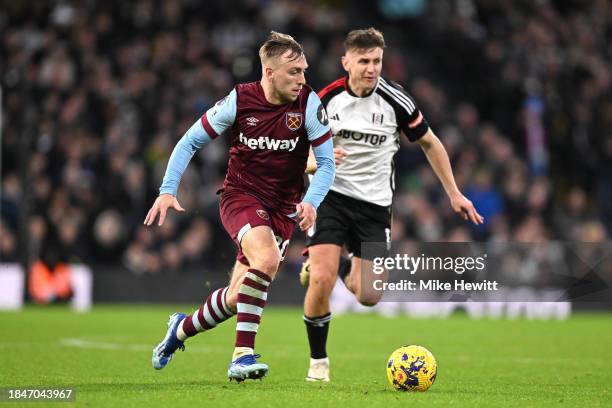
point(97, 93)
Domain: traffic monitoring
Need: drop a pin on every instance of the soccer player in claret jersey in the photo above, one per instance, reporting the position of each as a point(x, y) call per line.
point(271, 124)
point(367, 113)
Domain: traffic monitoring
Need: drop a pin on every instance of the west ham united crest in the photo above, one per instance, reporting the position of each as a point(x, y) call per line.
point(263, 214)
point(293, 120)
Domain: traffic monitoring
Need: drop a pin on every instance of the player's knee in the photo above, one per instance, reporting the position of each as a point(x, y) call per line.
point(369, 299)
point(266, 261)
point(369, 302)
point(322, 282)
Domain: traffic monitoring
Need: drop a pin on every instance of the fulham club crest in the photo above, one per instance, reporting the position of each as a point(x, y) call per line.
point(377, 118)
point(293, 120)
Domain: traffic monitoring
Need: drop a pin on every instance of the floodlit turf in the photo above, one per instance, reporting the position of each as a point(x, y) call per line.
point(106, 356)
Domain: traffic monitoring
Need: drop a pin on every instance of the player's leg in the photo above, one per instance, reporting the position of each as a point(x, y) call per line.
point(261, 249)
point(237, 213)
point(238, 274)
point(324, 260)
point(370, 238)
point(214, 310)
point(361, 280)
point(325, 246)
point(344, 268)
point(332, 225)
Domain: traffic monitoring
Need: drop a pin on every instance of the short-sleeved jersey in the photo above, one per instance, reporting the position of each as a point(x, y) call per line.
point(269, 143)
point(368, 128)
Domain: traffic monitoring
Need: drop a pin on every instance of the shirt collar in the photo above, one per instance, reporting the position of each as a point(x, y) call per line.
point(350, 91)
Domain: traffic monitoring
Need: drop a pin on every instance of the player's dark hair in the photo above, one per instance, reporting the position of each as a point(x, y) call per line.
point(278, 44)
point(364, 39)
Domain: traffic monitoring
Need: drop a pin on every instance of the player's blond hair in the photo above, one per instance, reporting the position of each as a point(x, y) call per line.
point(364, 39)
point(277, 45)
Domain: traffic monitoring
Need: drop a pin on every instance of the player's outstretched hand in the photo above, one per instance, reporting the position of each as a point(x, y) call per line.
point(339, 155)
point(307, 215)
point(464, 207)
point(161, 205)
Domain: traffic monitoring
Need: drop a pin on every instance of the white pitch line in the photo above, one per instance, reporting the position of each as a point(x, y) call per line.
point(103, 345)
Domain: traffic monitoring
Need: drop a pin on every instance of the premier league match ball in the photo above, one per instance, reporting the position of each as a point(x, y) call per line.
point(411, 368)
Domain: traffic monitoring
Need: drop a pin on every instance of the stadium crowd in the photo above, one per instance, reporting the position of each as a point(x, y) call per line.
point(96, 94)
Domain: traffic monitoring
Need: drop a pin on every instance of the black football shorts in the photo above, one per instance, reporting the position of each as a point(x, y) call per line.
point(344, 220)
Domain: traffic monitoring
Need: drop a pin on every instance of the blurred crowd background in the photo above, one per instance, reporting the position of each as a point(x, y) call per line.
point(95, 94)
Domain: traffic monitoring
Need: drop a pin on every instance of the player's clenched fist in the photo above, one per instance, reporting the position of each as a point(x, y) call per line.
point(339, 155)
point(307, 215)
point(160, 206)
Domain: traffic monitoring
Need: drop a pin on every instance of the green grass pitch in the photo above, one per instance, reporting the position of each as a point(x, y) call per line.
point(105, 355)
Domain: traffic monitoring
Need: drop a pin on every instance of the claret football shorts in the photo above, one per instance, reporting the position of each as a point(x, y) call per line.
point(240, 212)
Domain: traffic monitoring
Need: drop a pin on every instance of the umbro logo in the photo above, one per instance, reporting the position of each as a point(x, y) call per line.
point(335, 117)
point(252, 121)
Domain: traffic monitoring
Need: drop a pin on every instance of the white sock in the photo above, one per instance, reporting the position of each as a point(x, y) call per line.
point(314, 361)
point(180, 333)
point(241, 351)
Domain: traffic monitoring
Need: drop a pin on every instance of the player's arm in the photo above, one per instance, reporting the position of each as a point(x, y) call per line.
point(324, 174)
point(214, 122)
point(440, 163)
point(319, 135)
point(412, 123)
point(311, 164)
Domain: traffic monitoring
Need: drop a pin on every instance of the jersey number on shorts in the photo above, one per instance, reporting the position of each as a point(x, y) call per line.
point(282, 246)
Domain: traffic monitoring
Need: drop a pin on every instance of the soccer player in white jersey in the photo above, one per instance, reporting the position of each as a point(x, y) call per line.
point(367, 113)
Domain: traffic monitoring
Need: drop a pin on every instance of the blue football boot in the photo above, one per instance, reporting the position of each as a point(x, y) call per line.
point(246, 368)
point(162, 354)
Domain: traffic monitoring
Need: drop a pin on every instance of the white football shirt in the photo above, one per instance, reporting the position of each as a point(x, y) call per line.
point(368, 128)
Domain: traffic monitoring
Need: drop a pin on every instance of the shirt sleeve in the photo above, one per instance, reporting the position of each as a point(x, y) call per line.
point(221, 117)
point(317, 123)
point(410, 120)
point(214, 122)
point(324, 177)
